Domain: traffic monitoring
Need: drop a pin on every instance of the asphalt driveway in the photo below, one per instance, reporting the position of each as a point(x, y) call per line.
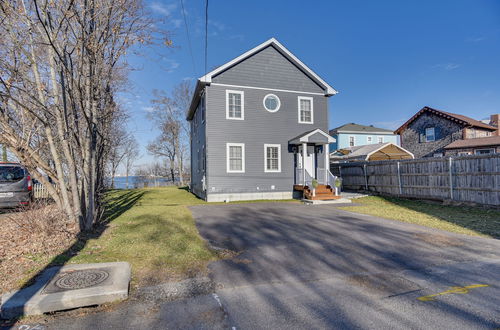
point(319, 267)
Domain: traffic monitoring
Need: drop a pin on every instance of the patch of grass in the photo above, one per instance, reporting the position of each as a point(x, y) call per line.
point(458, 219)
point(156, 235)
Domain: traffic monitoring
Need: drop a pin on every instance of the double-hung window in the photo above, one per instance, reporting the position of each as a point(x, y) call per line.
point(235, 105)
point(272, 158)
point(430, 134)
point(352, 141)
point(235, 153)
point(306, 110)
point(380, 139)
point(369, 139)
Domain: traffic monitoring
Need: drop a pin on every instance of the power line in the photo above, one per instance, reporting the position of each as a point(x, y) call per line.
point(206, 35)
point(188, 37)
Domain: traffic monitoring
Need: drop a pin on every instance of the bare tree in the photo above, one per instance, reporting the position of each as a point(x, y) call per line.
point(131, 155)
point(61, 64)
point(169, 116)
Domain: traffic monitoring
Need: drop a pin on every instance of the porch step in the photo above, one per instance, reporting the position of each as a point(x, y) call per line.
point(323, 192)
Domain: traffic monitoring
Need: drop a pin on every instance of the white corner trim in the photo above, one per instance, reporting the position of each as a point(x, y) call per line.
point(228, 91)
point(242, 145)
point(299, 98)
point(265, 158)
point(264, 102)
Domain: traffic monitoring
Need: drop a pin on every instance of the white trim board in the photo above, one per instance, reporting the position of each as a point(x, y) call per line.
point(266, 89)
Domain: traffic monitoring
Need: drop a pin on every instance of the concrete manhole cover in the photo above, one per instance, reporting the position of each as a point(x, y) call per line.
point(81, 279)
point(76, 280)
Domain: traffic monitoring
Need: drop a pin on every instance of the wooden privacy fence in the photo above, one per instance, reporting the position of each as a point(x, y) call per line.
point(463, 179)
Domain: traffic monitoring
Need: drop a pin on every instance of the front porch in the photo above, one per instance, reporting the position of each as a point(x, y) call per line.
point(311, 162)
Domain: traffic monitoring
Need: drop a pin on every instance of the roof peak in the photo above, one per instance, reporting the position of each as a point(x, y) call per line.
point(464, 120)
point(329, 90)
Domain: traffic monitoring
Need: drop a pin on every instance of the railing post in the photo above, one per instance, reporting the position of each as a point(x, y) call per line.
point(366, 177)
point(327, 161)
point(304, 155)
point(450, 163)
point(399, 180)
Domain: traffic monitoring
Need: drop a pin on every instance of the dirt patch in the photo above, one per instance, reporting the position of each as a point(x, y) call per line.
point(439, 240)
point(30, 238)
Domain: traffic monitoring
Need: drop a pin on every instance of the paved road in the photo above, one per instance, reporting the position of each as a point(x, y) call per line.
point(303, 267)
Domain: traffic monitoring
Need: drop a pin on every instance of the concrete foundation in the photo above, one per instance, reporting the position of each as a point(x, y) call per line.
point(68, 287)
point(249, 196)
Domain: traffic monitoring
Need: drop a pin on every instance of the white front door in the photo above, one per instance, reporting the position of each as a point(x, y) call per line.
point(309, 163)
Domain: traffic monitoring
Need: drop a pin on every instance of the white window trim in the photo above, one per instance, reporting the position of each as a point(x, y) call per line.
point(353, 140)
point(299, 98)
point(242, 104)
point(265, 158)
point(380, 138)
point(369, 139)
point(433, 134)
point(242, 145)
point(264, 102)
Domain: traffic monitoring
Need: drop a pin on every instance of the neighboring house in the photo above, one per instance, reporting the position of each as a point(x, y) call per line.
point(478, 146)
point(258, 127)
point(430, 131)
point(371, 152)
point(351, 135)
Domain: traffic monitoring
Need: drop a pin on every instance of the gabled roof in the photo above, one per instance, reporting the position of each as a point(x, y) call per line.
point(356, 128)
point(477, 142)
point(386, 150)
point(461, 119)
point(207, 79)
point(305, 137)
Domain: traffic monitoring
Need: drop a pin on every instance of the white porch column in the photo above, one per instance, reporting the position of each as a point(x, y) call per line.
point(326, 151)
point(304, 155)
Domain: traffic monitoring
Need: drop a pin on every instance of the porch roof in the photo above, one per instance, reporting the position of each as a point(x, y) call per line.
point(316, 136)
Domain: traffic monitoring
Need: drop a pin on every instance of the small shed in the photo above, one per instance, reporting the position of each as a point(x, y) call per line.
point(371, 152)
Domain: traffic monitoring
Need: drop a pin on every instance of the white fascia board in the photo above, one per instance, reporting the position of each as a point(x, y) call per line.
point(305, 138)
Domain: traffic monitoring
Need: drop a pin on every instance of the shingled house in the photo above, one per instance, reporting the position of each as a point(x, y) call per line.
point(436, 133)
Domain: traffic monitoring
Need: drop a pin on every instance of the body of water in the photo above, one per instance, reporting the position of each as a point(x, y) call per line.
point(140, 182)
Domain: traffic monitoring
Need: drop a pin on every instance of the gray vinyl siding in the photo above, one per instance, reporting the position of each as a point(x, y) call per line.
point(268, 69)
point(258, 128)
point(198, 152)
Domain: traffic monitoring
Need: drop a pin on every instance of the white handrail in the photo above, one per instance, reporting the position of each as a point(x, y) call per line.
point(332, 179)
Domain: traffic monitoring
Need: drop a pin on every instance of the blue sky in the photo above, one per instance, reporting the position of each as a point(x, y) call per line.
point(387, 59)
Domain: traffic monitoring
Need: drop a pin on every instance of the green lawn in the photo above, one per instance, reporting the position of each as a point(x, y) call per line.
point(154, 231)
point(458, 219)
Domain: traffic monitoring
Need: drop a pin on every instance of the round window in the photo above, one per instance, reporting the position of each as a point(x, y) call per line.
point(272, 103)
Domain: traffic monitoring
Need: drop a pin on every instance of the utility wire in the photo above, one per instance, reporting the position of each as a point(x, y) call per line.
point(206, 35)
point(188, 37)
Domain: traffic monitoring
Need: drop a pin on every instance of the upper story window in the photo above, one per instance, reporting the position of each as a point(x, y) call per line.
point(380, 139)
point(235, 105)
point(271, 103)
point(430, 134)
point(306, 110)
point(235, 153)
point(369, 139)
point(352, 141)
point(272, 158)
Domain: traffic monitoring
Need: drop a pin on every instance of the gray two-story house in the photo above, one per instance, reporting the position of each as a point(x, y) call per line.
point(258, 128)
